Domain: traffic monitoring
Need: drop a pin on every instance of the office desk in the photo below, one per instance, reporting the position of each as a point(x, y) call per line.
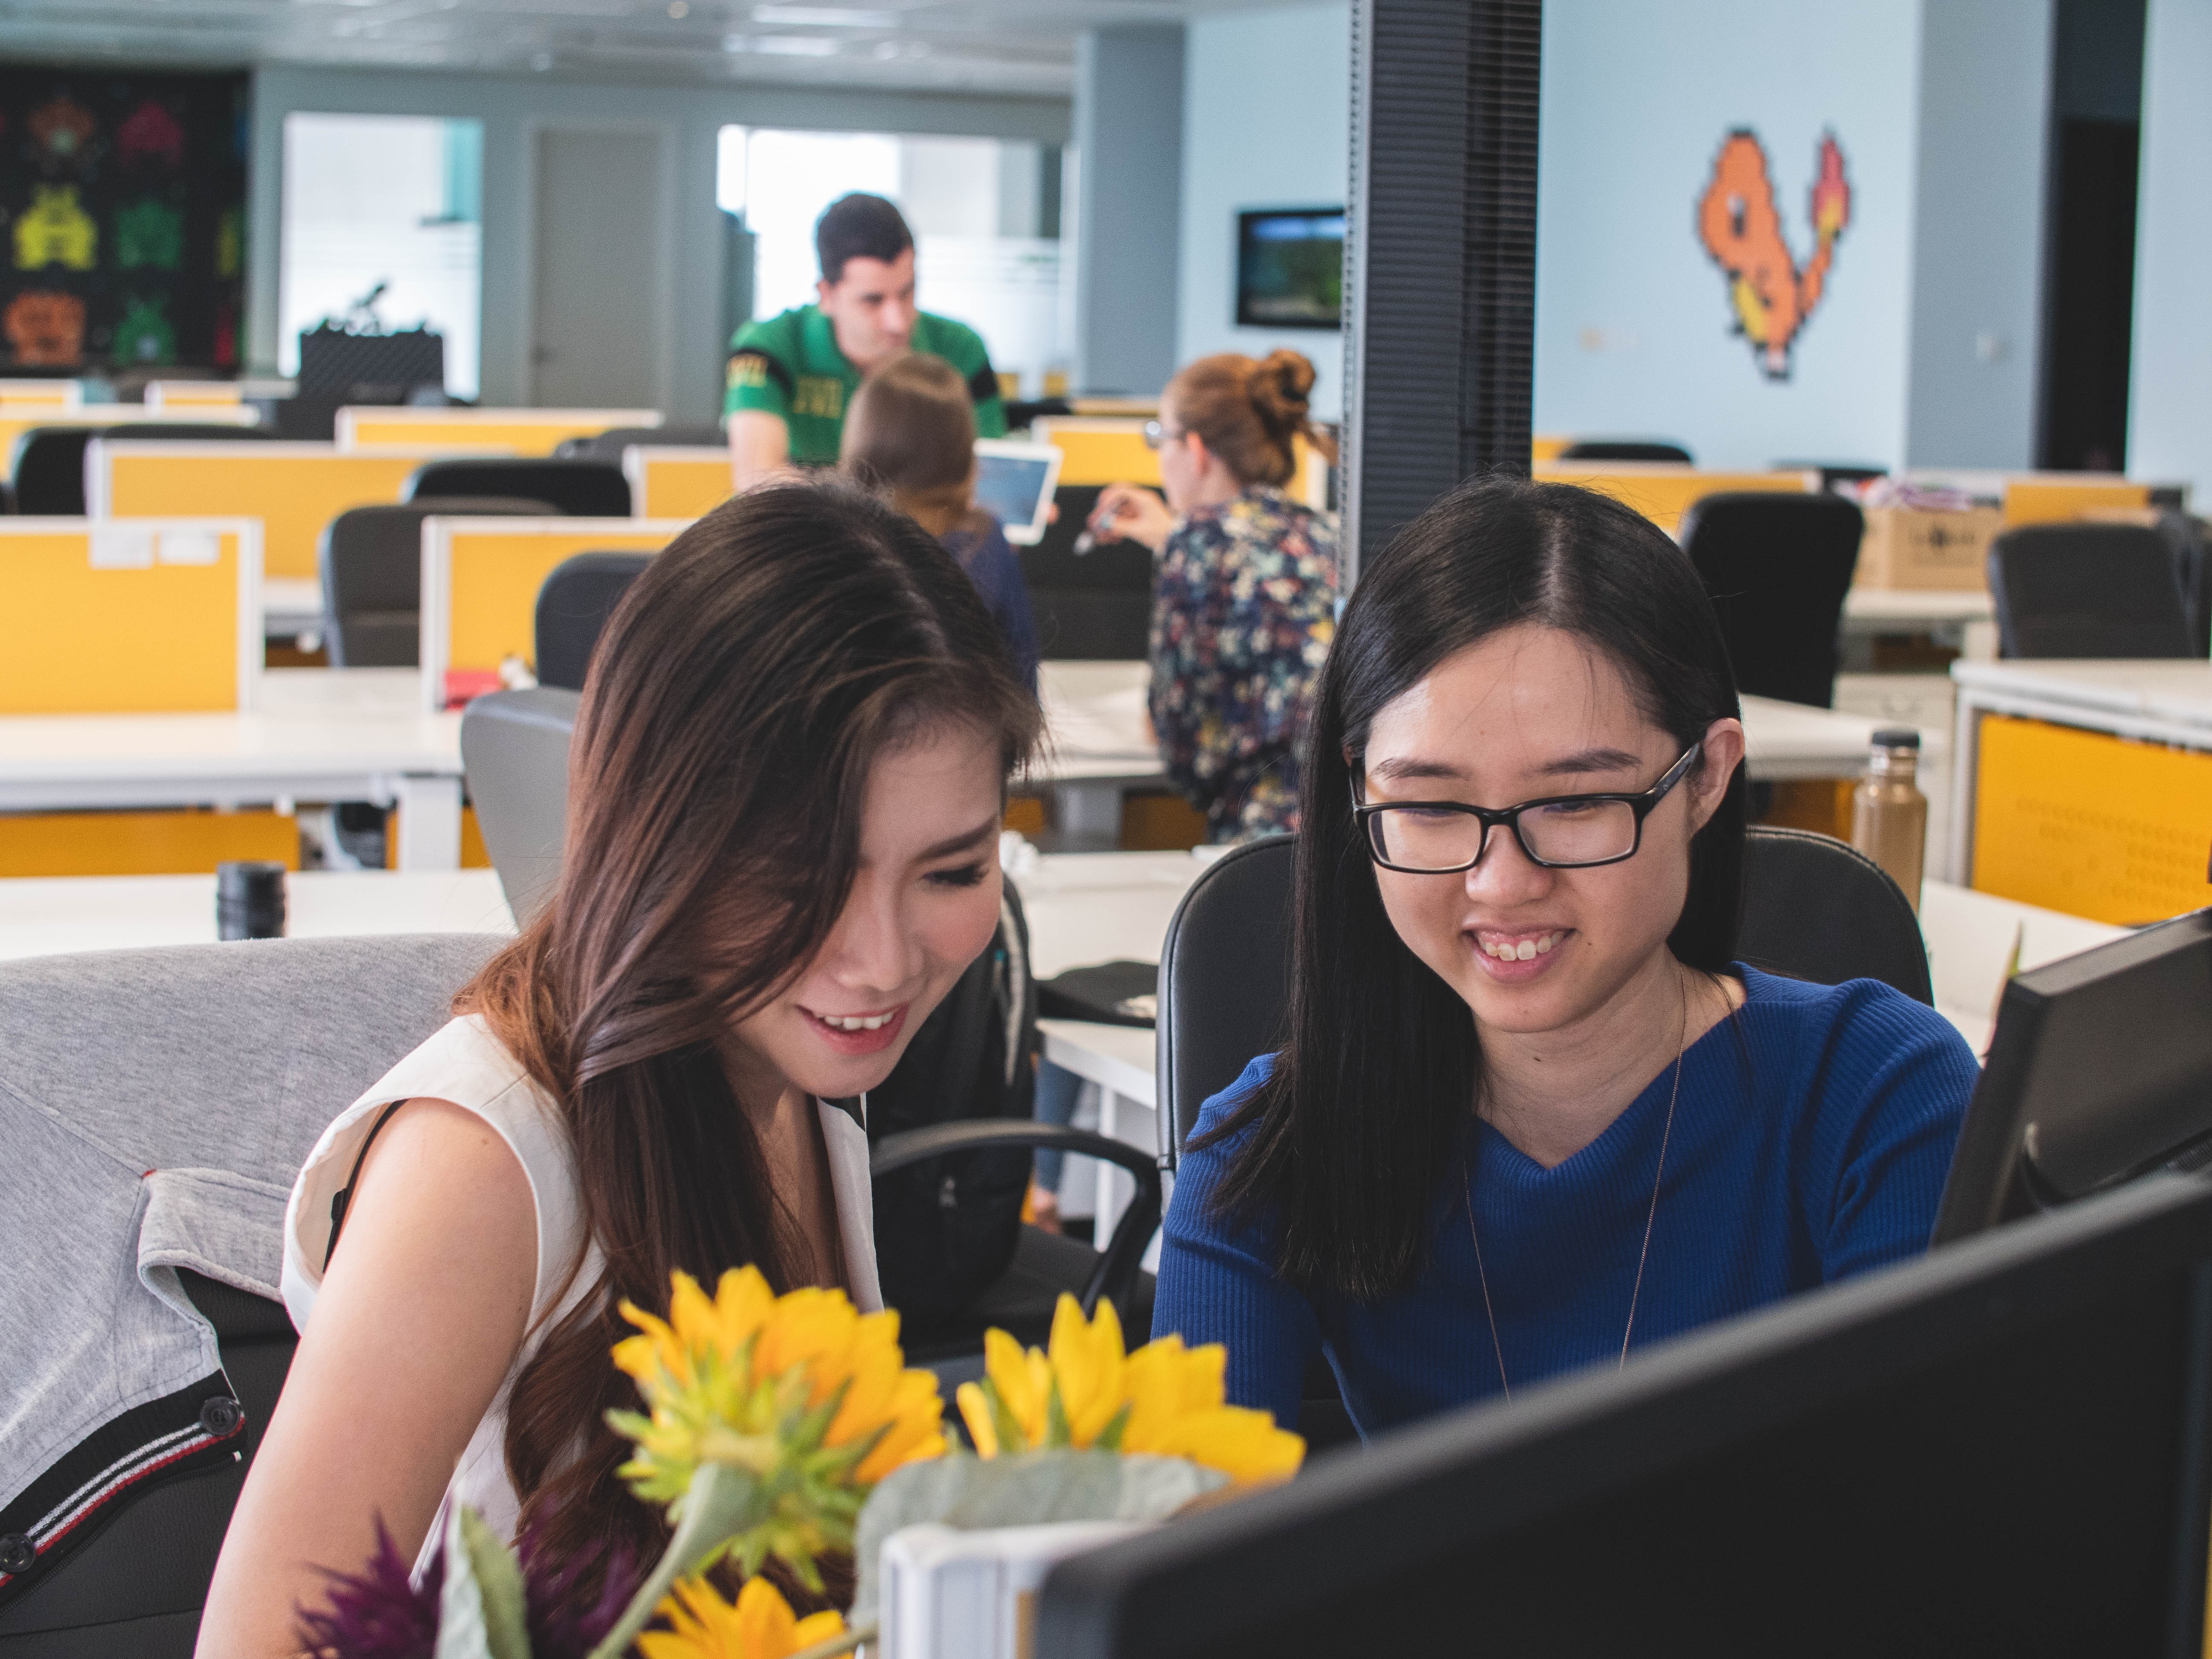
point(319, 734)
point(1970, 612)
point(291, 605)
point(2085, 787)
point(1100, 741)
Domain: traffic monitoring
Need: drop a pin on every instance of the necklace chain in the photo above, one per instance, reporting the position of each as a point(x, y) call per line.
point(1651, 1219)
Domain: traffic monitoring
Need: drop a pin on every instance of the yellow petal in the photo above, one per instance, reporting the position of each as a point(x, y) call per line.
point(975, 1413)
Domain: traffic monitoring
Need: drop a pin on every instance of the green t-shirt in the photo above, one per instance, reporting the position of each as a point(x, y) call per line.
point(789, 365)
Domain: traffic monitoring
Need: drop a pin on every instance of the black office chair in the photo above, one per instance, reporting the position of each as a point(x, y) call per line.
point(1834, 472)
point(1818, 908)
point(46, 471)
point(1625, 449)
point(574, 605)
point(1777, 567)
point(1093, 606)
point(579, 490)
point(608, 446)
point(371, 562)
point(2087, 590)
point(133, 1577)
point(2186, 538)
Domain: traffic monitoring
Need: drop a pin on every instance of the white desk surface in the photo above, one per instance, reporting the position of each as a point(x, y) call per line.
point(314, 726)
point(2178, 692)
point(1869, 607)
point(291, 605)
point(1097, 726)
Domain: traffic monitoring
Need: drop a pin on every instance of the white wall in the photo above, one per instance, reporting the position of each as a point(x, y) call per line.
point(2170, 386)
point(513, 109)
point(1633, 322)
point(1266, 116)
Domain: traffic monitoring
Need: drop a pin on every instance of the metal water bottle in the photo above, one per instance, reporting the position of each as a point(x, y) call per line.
point(1889, 814)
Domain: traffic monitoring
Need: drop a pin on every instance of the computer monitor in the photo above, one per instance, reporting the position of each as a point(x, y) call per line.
point(1290, 268)
point(2099, 1072)
point(1997, 1448)
point(1014, 483)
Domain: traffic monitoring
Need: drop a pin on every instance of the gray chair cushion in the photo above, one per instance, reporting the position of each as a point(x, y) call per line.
point(514, 750)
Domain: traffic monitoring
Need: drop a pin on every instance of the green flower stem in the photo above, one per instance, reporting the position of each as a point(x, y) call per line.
point(843, 1642)
point(720, 1502)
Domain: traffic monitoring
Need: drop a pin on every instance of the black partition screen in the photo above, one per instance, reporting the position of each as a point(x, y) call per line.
point(1440, 253)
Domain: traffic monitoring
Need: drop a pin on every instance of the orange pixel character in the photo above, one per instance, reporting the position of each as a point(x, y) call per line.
point(1741, 228)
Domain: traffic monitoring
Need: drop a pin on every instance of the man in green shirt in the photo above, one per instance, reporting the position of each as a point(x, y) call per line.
point(792, 375)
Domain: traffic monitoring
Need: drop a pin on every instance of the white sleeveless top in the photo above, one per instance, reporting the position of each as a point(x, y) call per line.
point(467, 1065)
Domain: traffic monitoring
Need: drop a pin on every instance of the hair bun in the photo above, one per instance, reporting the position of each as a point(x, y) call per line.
point(1280, 383)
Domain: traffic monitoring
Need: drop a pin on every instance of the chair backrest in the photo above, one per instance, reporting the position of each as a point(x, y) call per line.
point(2184, 536)
point(1814, 909)
point(515, 751)
point(1224, 980)
point(1777, 567)
point(578, 489)
point(574, 606)
point(2086, 590)
point(1818, 908)
point(371, 562)
point(1091, 606)
point(1625, 449)
point(608, 446)
point(217, 1066)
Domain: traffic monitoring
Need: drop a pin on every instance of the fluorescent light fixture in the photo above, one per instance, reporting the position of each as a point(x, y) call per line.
point(782, 45)
point(826, 17)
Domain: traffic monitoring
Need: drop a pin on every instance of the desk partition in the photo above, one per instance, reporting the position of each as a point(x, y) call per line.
point(1103, 449)
point(2061, 500)
point(479, 431)
point(40, 394)
point(154, 616)
point(15, 419)
point(481, 577)
point(1663, 494)
point(294, 488)
point(670, 481)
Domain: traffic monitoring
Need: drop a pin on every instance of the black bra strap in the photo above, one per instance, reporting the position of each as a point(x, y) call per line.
point(344, 1195)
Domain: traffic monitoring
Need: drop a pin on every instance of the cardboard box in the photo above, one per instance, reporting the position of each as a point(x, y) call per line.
point(1912, 548)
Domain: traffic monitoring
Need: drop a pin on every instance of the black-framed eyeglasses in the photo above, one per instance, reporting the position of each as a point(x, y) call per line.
point(1156, 435)
point(1559, 832)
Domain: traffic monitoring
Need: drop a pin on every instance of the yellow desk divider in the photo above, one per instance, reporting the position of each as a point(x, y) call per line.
point(2089, 823)
point(155, 615)
point(481, 577)
point(673, 482)
point(1548, 447)
point(479, 431)
point(294, 488)
point(2059, 500)
point(189, 397)
point(40, 394)
point(1663, 494)
point(16, 421)
point(1102, 450)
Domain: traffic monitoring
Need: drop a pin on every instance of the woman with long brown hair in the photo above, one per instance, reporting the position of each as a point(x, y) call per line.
point(1243, 589)
point(786, 786)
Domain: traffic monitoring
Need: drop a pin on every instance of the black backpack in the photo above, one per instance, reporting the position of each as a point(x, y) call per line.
point(946, 1228)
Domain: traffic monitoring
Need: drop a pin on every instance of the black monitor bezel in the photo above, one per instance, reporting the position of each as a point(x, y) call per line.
point(1358, 1515)
point(1245, 218)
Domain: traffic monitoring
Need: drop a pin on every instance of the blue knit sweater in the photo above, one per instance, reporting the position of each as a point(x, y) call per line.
point(1810, 1142)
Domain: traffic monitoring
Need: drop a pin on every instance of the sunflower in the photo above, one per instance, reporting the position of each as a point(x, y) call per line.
point(1086, 1392)
point(762, 1625)
point(802, 1393)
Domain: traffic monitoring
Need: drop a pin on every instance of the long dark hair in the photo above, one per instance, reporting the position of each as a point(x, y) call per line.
point(733, 707)
point(1372, 1089)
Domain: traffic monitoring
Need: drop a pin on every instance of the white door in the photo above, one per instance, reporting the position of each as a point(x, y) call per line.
point(598, 338)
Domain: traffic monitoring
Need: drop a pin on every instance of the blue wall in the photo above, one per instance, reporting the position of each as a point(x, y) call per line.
point(2170, 389)
point(1632, 317)
point(1267, 119)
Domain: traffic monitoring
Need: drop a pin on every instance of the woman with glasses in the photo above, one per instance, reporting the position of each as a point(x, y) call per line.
point(1244, 587)
point(1529, 1112)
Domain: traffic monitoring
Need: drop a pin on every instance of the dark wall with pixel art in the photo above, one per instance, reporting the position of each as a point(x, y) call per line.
point(122, 219)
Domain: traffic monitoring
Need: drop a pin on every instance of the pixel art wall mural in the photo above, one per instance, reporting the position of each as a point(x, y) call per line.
point(122, 218)
point(1770, 295)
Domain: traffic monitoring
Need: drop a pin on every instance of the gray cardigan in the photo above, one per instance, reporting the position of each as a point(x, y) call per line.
point(154, 1108)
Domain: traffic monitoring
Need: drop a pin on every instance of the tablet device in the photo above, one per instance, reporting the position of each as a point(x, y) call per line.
point(1014, 483)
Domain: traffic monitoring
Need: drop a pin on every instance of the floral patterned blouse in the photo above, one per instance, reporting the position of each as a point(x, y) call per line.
point(1244, 608)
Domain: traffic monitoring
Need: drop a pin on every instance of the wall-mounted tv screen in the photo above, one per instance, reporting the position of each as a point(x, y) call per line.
point(1290, 268)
